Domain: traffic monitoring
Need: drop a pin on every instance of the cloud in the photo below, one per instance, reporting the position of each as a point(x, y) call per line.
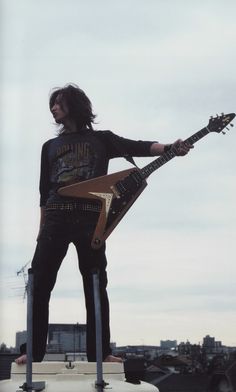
point(153, 72)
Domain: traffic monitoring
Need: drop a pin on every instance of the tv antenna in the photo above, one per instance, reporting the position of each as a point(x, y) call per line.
point(24, 272)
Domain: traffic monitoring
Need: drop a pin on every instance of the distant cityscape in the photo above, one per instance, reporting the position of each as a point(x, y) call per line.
point(70, 339)
point(170, 366)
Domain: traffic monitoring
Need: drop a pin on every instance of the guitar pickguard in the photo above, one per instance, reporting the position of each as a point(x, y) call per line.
point(125, 192)
point(104, 196)
point(117, 207)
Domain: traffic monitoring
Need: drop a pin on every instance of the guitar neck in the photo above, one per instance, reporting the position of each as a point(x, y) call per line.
point(166, 157)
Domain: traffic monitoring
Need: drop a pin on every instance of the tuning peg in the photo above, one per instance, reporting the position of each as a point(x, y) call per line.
point(222, 114)
point(223, 132)
point(227, 128)
point(231, 125)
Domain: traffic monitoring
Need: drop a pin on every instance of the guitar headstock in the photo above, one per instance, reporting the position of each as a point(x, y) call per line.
point(218, 123)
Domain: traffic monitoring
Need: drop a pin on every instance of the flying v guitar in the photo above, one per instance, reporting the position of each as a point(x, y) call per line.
point(118, 191)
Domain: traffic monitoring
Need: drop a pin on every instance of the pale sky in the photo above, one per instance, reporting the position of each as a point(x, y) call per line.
point(154, 70)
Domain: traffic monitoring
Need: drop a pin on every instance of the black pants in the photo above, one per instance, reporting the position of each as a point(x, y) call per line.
point(60, 229)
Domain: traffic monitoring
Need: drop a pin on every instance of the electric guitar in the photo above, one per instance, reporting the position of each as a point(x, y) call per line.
point(118, 191)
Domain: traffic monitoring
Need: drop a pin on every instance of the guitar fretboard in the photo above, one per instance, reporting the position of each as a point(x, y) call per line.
point(160, 161)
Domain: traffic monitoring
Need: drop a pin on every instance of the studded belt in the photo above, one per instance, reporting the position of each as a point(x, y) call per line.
point(73, 206)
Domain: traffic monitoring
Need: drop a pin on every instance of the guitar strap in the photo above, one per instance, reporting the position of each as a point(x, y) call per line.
point(130, 159)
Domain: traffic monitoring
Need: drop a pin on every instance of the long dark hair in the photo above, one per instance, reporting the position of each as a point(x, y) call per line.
point(78, 104)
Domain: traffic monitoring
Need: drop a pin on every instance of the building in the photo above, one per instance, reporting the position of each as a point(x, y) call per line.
point(209, 342)
point(140, 351)
point(168, 344)
point(21, 337)
point(210, 345)
point(64, 338)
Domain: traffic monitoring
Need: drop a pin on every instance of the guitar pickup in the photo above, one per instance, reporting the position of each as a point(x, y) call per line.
point(115, 191)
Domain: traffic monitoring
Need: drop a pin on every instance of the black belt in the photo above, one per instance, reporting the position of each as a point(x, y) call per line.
point(73, 206)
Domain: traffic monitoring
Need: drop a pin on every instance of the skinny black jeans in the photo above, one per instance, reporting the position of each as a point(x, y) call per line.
point(60, 229)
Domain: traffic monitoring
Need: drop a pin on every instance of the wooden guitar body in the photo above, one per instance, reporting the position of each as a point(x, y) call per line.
point(116, 192)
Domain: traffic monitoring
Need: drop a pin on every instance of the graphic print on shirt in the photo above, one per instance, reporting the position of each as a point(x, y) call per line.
point(74, 162)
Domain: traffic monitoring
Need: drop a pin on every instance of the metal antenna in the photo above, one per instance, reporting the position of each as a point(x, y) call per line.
point(30, 386)
point(100, 383)
point(29, 354)
point(23, 272)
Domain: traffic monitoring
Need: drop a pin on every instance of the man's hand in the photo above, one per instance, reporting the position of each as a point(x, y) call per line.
point(181, 148)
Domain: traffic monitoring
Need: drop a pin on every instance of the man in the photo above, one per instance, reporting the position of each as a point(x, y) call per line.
point(78, 153)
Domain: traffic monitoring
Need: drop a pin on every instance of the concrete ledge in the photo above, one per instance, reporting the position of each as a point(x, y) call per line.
point(68, 368)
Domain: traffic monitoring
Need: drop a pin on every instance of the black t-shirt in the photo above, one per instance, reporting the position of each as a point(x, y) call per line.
point(73, 157)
